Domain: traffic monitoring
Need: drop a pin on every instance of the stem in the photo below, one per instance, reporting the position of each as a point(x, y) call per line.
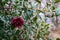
point(56, 22)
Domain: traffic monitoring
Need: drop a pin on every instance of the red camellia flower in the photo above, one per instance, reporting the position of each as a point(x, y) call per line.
point(17, 21)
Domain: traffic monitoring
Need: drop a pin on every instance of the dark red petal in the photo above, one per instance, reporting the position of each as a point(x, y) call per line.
point(17, 21)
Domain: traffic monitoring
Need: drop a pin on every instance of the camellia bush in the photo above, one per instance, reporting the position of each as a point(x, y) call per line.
point(24, 20)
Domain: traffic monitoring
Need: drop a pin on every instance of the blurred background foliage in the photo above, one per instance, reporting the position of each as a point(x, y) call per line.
point(35, 27)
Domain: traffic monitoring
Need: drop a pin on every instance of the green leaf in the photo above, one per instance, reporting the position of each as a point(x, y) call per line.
point(37, 1)
point(1, 23)
point(17, 32)
point(58, 39)
point(14, 38)
point(35, 19)
point(57, 11)
point(53, 7)
point(1, 33)
point(56, 1)
point(25, 0)
point(28, 14)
